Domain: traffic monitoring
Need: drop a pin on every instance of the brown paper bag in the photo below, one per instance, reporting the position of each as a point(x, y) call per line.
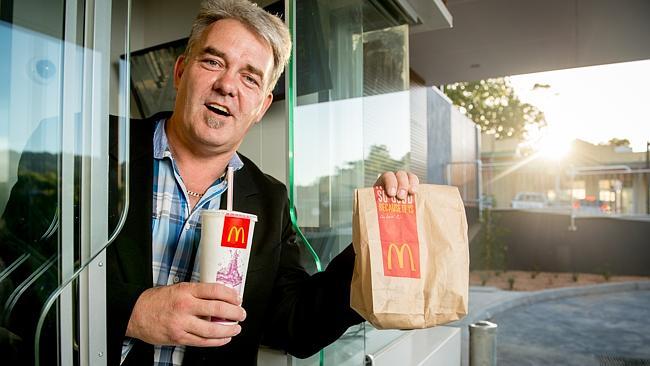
point(412, 258)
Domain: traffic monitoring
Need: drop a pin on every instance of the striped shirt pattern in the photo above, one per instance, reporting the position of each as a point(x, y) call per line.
point(176, 231)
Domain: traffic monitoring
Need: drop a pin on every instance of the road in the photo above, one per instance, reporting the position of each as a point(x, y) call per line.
point(606, 329)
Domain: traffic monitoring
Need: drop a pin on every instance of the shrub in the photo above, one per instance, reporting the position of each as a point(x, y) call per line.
point(484, 278)
point(607, 275)
point(491, 243)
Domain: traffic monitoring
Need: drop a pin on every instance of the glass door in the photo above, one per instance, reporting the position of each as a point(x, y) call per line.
point(60, 76)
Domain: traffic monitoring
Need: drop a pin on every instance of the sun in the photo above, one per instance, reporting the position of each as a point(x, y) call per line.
point(554, 148)
point(551, 143)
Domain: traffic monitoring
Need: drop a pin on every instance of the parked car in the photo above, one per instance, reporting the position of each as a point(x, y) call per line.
point(592, 206)
point(529, 200)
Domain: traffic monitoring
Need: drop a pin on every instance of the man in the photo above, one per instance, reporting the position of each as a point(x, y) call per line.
point(157, 312)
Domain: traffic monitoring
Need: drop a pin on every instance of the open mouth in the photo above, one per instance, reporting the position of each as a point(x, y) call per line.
point(215, 108)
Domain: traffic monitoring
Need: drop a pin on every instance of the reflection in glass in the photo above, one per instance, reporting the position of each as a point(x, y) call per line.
point(353, 120)
point(31, 81)
point(43, 143)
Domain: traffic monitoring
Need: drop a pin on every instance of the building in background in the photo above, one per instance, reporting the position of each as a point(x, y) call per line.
point(591, 179)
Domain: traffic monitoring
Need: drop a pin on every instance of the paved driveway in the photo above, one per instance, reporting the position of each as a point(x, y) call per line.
point(607, 329)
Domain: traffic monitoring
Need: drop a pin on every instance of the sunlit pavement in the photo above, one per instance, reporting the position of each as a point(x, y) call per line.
point(604, 329)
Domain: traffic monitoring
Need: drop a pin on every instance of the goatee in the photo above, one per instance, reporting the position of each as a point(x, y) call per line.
point(214, 122)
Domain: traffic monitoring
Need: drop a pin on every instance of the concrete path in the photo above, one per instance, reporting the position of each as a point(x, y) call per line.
point(604, 329)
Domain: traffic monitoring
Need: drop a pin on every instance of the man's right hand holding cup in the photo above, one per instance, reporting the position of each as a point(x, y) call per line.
point(179, 315)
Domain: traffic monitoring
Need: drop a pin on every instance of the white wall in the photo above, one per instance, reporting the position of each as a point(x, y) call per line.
point(266, 142)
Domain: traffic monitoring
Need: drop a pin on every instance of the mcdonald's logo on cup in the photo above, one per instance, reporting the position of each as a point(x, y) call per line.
point(404, 253)
point(238, 231)
point(235, 232)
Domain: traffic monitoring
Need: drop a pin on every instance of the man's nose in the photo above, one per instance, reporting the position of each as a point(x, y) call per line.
point(226, 83)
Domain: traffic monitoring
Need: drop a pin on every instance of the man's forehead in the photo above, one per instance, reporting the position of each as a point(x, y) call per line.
point(225, 34)
point(234, 31)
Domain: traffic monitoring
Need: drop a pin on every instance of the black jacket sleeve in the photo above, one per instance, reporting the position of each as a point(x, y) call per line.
point(309, 312)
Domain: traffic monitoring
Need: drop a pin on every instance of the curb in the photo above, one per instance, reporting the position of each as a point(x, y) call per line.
point(529, 298)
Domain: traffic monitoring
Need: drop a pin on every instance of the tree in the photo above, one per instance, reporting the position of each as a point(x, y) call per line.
point(618, 142)
point(493, 105)
point(379, 161)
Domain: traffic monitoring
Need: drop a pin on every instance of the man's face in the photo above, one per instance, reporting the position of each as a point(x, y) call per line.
point(222, 88)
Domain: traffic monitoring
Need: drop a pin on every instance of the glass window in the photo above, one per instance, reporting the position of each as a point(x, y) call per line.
point(356, 115)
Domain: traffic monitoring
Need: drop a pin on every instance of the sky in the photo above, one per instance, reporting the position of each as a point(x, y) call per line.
point(594, 103)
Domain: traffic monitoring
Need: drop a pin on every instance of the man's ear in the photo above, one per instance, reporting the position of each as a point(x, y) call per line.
point(265, 107)
point(179, 68)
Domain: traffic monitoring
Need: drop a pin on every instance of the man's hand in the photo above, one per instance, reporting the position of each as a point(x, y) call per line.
point(178, 315)
point(398, 184)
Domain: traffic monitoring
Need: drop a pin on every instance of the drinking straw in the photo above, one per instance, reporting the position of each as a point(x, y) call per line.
point(231, 182)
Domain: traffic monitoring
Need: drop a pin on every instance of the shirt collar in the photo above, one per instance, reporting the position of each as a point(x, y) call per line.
point(161, 146)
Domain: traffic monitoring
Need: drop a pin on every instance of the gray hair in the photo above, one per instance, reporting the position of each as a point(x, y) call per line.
point(267, 26)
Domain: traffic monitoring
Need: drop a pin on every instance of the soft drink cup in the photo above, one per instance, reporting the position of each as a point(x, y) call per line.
point(224, 249)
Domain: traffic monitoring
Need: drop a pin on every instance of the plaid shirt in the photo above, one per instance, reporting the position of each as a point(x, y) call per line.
point(176, 231)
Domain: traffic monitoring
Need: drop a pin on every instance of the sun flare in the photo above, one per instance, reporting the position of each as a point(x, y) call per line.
point(551, 143)
point(554, 148)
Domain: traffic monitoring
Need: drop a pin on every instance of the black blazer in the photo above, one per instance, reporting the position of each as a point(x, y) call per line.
point(286, 308)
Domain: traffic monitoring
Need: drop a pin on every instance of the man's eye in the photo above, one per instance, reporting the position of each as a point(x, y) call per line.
point(251, 80)
point(212, 63)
